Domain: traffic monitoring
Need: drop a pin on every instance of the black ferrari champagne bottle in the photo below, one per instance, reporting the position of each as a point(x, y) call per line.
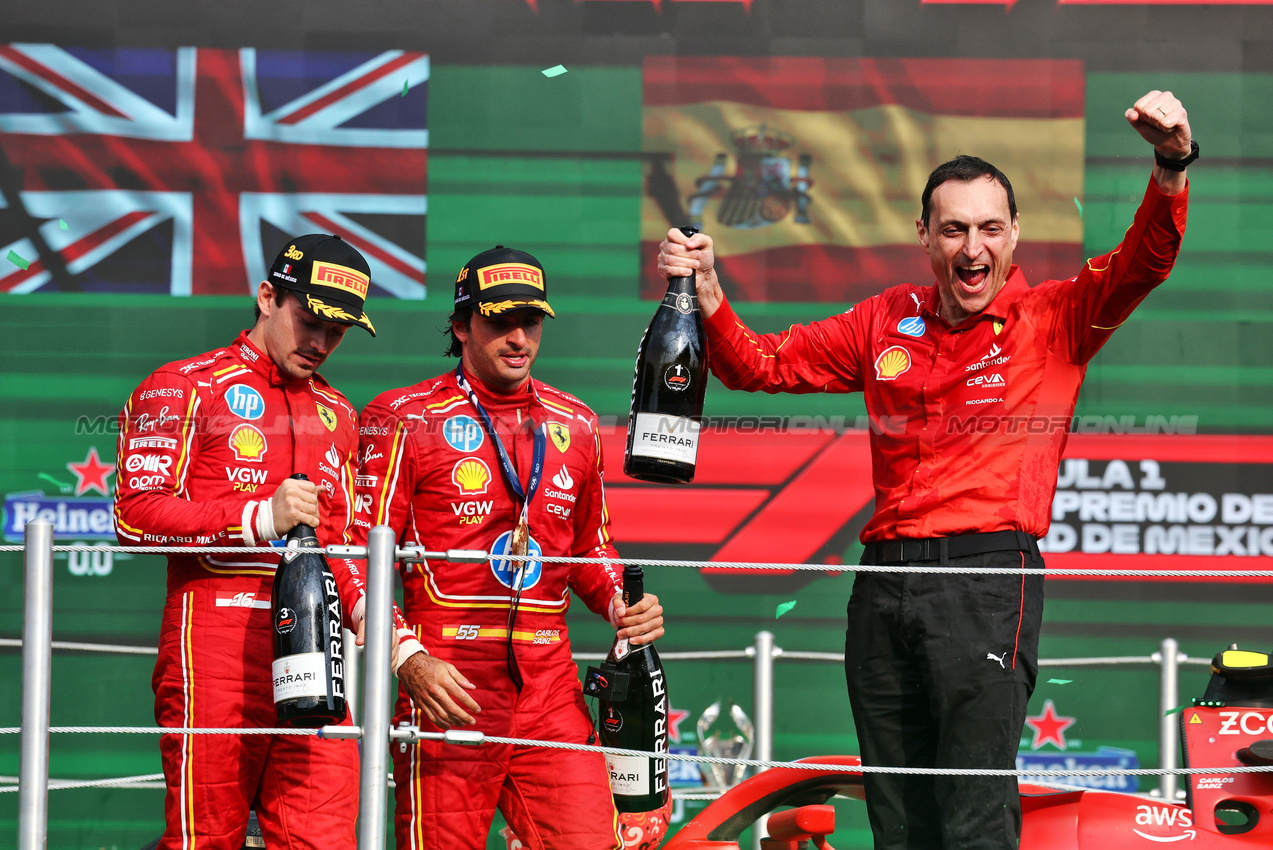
point(633, 716)
point(309, 663)
point(667, 390)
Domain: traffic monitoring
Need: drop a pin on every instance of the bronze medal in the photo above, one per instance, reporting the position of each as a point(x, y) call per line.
point(520, 542)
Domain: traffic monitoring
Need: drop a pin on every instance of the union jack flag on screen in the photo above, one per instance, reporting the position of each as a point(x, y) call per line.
point(185, 171)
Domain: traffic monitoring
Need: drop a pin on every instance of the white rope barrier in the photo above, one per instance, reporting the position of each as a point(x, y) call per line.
point(164, 730)
point(121, 649)
point(466, 555)
point(470, 738)
point(146, 780)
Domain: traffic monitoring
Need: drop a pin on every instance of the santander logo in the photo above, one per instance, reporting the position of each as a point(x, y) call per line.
point(563, 480)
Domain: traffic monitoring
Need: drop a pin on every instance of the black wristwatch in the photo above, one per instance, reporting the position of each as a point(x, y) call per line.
point(1177, 164)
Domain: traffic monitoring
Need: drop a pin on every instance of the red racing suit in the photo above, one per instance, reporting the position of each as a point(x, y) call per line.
point(203, 442)
point(429, 470)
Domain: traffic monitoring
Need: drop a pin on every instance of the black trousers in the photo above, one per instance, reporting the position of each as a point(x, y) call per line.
point(940, 668)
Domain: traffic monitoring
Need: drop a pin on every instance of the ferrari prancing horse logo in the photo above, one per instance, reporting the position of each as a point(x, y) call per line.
point(560, 435)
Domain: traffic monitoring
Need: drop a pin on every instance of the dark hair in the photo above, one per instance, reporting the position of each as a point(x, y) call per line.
point(966, 169)
point(281, 294)
point(463, 315)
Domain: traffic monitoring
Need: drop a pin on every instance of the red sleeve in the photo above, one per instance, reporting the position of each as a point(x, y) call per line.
point(815, 358)
point(595, 584)
point(1086, 310)
point(158, 445)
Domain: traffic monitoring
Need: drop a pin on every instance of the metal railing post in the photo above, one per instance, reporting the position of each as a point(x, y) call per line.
point(1168, 729)
point(764, 708)
point(353, 669)
point(37, 671)
point(377, 702)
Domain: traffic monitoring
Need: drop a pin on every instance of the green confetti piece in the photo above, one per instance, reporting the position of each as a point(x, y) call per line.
point(65, 488)
point(1080, 206)
point(1171, 711)
point(784, 607)
point(1059, 681)
point(555, 71)
point(405, 85)
point(18, 261)
point(61, 224)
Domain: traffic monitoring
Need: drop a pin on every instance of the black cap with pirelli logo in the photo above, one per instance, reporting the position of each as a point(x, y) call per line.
point(502, 279)
point(330, 278)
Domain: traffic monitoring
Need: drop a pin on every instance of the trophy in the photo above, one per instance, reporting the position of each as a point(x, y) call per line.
point(725, 737)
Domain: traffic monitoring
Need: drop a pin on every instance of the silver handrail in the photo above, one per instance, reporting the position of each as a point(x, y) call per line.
point(37, 667)
point(377, 701)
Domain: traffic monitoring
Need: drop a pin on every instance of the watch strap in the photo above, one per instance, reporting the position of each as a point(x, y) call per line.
point(1178, 164)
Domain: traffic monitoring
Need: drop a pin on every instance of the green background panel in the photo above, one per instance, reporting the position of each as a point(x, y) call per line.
point(554, 165)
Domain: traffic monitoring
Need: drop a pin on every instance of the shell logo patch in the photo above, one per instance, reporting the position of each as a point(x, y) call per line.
point(471, 476)
point(892, 362)
point(328, 416)
point(248, 443)
point(560, 435)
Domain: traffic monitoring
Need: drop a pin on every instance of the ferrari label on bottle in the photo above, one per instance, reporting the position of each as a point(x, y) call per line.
point(628, 774)
point(300, 675)
point(660, 435)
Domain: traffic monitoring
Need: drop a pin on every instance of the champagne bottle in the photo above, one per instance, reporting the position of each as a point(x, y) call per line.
point(633, 715)
point(667, 390)
point(309, 664)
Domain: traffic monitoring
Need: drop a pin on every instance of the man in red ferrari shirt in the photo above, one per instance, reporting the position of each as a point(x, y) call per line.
point(206, 448)
point(984, 371)
point(485, 457)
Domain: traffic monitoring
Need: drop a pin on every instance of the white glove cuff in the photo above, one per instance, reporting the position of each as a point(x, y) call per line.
point(407, 647)
point(265, 522)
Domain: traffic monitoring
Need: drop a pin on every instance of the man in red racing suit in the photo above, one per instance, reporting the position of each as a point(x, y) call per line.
point(206, 448)
point(970, 385)
point(430, 468)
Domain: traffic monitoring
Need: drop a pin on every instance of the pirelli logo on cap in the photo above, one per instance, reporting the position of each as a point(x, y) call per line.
point(510, 273)
point(340, 277)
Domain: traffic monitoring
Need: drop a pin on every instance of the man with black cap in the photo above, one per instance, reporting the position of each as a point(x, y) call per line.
point(206, 448)
point(485, 457)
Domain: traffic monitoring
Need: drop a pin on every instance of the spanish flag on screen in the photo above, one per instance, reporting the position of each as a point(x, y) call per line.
point(807, 172)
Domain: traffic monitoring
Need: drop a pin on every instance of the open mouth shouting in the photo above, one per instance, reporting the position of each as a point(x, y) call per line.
point(973, 277)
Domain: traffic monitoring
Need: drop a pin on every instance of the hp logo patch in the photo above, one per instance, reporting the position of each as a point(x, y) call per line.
point(506, 571)
point(463, 433)
point(245, 402)
point(914, 326)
